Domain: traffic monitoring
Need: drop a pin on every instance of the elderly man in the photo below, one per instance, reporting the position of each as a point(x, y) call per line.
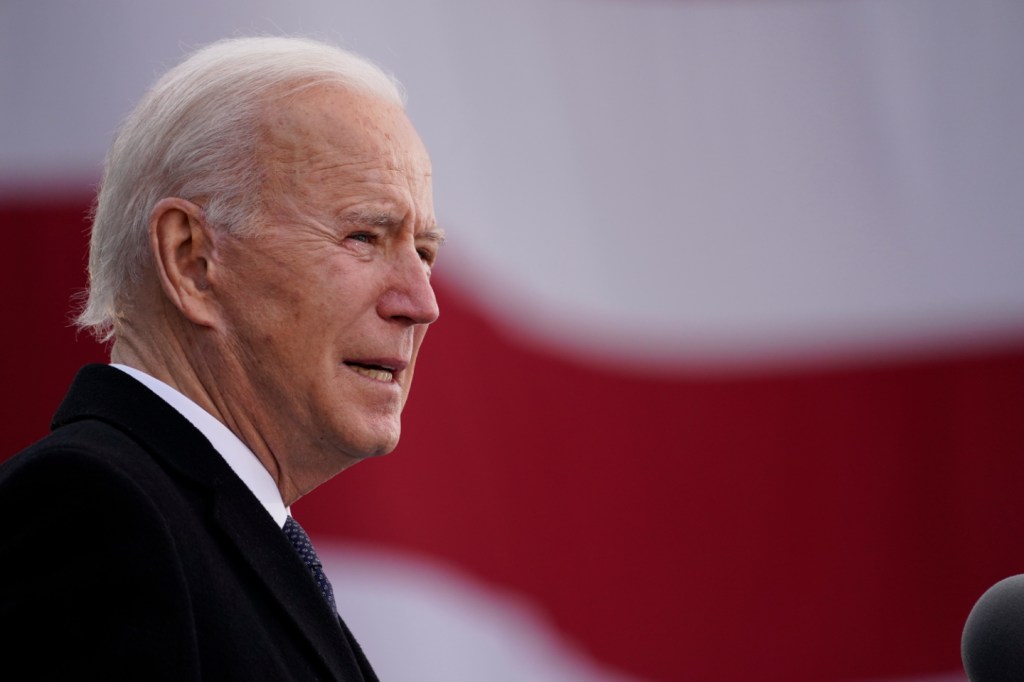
point(260, 258)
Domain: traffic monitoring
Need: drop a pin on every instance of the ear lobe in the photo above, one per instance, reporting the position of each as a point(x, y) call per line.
point(183, 247)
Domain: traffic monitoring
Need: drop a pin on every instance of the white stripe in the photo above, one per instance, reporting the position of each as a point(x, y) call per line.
point(419, 620)
point(651, 182)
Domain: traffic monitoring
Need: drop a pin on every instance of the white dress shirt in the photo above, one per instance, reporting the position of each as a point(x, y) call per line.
point(238, 456)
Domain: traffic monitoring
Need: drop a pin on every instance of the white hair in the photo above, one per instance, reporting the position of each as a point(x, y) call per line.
point(196, 135)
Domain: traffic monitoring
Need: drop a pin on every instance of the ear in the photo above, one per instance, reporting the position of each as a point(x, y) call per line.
point(183, 254)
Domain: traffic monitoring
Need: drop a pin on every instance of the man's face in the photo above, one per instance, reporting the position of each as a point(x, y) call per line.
point(325, 309)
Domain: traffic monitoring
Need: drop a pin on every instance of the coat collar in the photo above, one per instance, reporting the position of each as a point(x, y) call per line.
point(112, 396)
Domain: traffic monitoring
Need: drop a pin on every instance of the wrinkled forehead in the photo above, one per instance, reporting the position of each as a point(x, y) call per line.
point(330, 152)
point(333, 121)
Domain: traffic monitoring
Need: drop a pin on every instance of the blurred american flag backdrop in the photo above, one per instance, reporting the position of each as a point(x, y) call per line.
point(729, 378)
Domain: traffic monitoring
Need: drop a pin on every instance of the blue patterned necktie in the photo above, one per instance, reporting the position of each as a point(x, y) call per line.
point(300, 541)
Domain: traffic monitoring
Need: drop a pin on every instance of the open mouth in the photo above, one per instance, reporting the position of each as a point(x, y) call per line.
point(381, 373)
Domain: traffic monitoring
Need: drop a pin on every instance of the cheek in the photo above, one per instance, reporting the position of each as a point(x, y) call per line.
point(418, 335)
point(273, 330)
point(280, 302)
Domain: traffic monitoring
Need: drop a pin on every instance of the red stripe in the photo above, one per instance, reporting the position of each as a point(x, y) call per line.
point(829, 525)
point(725, 530)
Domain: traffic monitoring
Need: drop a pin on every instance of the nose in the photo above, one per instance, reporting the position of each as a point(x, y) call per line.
point(409, 296)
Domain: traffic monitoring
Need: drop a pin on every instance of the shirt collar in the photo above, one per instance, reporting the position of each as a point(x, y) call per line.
point(237, 455)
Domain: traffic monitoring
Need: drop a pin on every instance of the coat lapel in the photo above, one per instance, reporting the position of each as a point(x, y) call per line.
point(108, 394)
point(266, 550)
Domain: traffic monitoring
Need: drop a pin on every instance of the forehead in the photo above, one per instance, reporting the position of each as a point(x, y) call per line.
point(333, 127)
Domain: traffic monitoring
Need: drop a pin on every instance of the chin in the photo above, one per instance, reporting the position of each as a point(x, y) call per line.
point(373, 445)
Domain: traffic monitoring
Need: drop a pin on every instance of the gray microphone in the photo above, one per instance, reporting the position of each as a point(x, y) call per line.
point(993, 643)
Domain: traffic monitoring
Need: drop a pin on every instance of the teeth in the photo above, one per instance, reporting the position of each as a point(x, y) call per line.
point(377, 374)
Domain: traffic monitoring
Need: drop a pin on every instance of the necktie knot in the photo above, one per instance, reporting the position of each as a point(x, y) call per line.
point(304, 547)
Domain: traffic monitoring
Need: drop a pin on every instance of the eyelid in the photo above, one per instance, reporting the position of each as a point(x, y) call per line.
point(369, 235)
point(428, 256)
point(427, 250)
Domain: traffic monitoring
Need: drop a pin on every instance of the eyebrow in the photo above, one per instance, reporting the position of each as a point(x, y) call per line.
point(435, 234)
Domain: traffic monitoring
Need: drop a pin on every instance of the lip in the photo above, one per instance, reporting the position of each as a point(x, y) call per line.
point(394, 365)
point(373, 370)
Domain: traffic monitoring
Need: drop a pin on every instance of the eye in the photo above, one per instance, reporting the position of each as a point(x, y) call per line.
point(365, 237)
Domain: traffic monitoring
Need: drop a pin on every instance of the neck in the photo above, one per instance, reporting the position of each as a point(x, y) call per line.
point(189, 361)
